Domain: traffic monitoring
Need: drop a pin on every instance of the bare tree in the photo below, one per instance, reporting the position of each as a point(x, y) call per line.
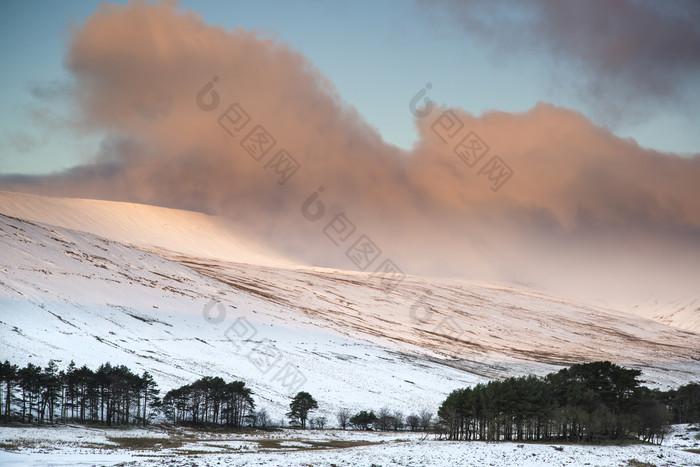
point(426, 418)
point(384, 419)
point(397, 420)
point(343, 416)
point(413, 422)
point(262, 418)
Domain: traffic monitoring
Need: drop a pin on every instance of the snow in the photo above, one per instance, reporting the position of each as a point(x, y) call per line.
point(183, 295)
point(682, 313)
point(197, 235)
point(75, 445)
point(149, 227)
point(70, 295)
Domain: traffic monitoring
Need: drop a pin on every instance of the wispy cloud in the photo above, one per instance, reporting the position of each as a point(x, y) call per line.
point(626, 59)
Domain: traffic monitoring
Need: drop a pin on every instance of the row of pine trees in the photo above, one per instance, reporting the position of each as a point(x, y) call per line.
point(111, 395)
point(210, 401)
point(591, 402)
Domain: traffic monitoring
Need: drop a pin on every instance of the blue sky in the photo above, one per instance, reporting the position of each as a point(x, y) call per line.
point(378, 55)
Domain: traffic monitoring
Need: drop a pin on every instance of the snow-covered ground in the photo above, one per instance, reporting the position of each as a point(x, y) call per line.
point(74, 446)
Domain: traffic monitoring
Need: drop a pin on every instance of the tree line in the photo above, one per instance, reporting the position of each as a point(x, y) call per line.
point(211, 401)
point(385, 420)
point(109, 395)
point(590, 402)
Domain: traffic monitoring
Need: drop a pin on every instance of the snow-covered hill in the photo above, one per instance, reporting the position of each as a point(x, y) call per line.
point(683, 313)
point(150, 227)
point(173, 232)
point(181, 295)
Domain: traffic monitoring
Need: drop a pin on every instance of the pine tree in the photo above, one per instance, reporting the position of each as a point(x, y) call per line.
point(8, 376)
point(363, 420)
point(149, 393)
point(300, 407)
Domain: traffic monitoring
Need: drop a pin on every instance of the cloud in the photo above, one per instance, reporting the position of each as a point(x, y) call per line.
point(178, 98)
point(19, 141)
point(625, 59)
point(50, 90)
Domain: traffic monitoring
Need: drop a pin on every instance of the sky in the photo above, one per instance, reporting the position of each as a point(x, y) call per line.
point(378, 55)
point(545, 143)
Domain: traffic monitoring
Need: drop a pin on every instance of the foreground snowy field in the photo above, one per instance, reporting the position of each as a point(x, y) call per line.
point(74, 445)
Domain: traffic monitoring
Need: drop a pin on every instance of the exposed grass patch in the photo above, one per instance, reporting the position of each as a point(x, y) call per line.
point(270, 443)
point(12, 446)
point(309, 445)
point(201, 452)
point(636, 463)
point(146, 444)
point(339, 444)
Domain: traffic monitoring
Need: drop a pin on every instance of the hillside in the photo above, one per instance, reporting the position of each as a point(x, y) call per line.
point(129, 284)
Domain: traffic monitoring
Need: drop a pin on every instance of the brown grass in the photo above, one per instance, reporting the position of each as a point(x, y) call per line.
point(636, 463)
point(146, 444)
point(275, 444)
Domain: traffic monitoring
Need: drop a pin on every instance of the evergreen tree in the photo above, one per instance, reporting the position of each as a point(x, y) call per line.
point(363, 420)
point(300, 407)
point(8, 378)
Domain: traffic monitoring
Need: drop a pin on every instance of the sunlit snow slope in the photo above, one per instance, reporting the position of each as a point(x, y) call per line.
point(201, 301)
point(150, 227)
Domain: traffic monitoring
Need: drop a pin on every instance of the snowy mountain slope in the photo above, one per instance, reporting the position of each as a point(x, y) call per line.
point(683, 313)
point(472, 325)
point(176, 232)
point(341, 335)
point(71, 296)
point(153, 227)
